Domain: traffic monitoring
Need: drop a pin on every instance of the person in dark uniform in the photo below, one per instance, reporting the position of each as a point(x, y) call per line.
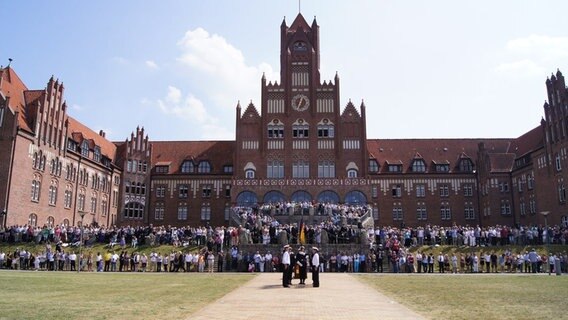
point(286, 267)
point(302, 263)
point(315, 267)
point(292, 268)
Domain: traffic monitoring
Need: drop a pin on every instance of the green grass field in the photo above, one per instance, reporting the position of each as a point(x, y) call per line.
point(505, 296)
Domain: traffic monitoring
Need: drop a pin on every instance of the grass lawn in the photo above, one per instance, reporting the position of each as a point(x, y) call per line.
point(69, 295)
point(477, 296)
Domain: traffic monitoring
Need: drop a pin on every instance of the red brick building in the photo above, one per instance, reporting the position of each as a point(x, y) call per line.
point(300, 144)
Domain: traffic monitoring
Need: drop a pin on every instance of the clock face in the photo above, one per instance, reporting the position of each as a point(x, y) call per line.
point(300, 102)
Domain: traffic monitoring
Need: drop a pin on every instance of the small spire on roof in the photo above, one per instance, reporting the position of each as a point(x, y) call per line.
point(9, 62)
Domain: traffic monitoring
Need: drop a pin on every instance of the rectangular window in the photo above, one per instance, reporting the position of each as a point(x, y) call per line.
point(104, 207)
point(301, 169)
point(205, 213)
point(396, 191)
point(159, 211)
point(300, 132)
point(444, 190)
point(160, 191)
point(325, 131)
point(395, 168)
point(442, 168)
point(421, 212)
point(115, 198)
point(468, 190)
point(397, 213)
point(81, 202)
point(445, 212)
point(183, 191)
point(420, 191)
point(227, 191)
point(68, 198)
point(275, 132)
point(523, 209)
point(275, 169)
point(162, 169)
point(505, 208)
point(530, 182)
point(326, 169)
point(469, 212)
point(93, 204)
point(1, 116)
point(206, 191)
point(375, 191)
point(227, 169)
point(182, 212)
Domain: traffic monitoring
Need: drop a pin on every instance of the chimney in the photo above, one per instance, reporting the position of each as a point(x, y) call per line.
point(102, 134)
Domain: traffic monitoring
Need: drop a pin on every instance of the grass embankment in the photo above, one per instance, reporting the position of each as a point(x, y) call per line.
point(69, 295)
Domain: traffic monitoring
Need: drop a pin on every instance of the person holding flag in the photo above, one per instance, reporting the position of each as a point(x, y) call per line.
point(302, 265)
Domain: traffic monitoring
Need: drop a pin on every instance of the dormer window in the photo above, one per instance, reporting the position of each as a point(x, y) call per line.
point(442, 167)
point(204, 167)
point(162, 169)
point(97, 154)
point(187, 167)
point(466, 165)
point(418, 165)
point(395, 167)
point(373, 165)
point(85, 149)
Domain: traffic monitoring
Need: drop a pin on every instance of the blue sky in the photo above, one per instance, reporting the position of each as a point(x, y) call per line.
point(425, 69)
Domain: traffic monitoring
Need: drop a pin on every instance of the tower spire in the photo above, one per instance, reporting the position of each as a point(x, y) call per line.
point(299, 6)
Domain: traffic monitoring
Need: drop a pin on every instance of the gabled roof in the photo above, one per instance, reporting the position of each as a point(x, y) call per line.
point(528, 142)
point(79, 132)
point(391, 151)
point(12, 86)
point(299, 23)
point(218, 153)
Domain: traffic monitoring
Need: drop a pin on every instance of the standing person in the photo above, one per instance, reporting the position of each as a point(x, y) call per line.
point(302, 262)
point(286, 267)
point(315, 267)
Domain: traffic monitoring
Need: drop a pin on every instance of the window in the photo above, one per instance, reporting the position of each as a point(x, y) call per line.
point(352, 173)
point(85, 149)
point(505, 207)
point(249, 174)
point(326, 169)
point(94, 204)
point(52, 194)
point(443, 167)
point(183, 191)
point(326, 131)
point(530, 182)
point(36, 186)
point(466, 165)
point(205, 212)
point(104, 207)
point(558, 163)
point(134, 210)
point(301, 169)
point(374, 191)
point(532, 206)
point(504, 186)
point(300, 131)
point(97, 154)
point(418, 165)
point(275, 130)
point(395, 168)
point(561, 193)
point(68, 198)
point(204, 167)
point(227, 212)
point(81, 202)
point(129, 166)
point(373, 165)
point(159, 211)
point(160, 191)
point(445, 211)
point(187, 167)
point(162, 169)
point(397, 212)
point(523, 208)
point(444, 190)
point(32, 220)
point(228, 169)
point(275, 169)
point(206, 191)
point(182, 211)
point(227, 191)
point(396, 191)
point(421, 211)
point(469, 211)
point(420, 191)
point(468, 190)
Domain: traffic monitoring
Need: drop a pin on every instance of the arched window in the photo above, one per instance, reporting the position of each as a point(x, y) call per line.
point(134, 210)
point(204, 167)
point(50, 222)
point(328, 196)
point(247, 199)
point(352, 173)
point(355, 197)
point(32, 220)
point(301, 196)
point(250, 174)
point(187, 167)
point(66, 222)
point(274, 197)
point(36, 186)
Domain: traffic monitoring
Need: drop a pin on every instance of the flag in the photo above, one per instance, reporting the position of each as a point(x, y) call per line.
point(302, 236)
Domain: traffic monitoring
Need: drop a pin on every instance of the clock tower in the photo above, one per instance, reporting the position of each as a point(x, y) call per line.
point(300, 144)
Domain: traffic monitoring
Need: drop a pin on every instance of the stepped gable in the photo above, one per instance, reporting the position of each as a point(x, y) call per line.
point(251, 112)
point(12, 86)
point(174, 153)
point(403, 151)
point(350, 112)
point(79, 132)
point(528, 142)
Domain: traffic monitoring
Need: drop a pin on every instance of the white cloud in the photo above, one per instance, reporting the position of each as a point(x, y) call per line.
point(151, 64)
point(533, 55)
point(229, 78)
point(191, 109)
